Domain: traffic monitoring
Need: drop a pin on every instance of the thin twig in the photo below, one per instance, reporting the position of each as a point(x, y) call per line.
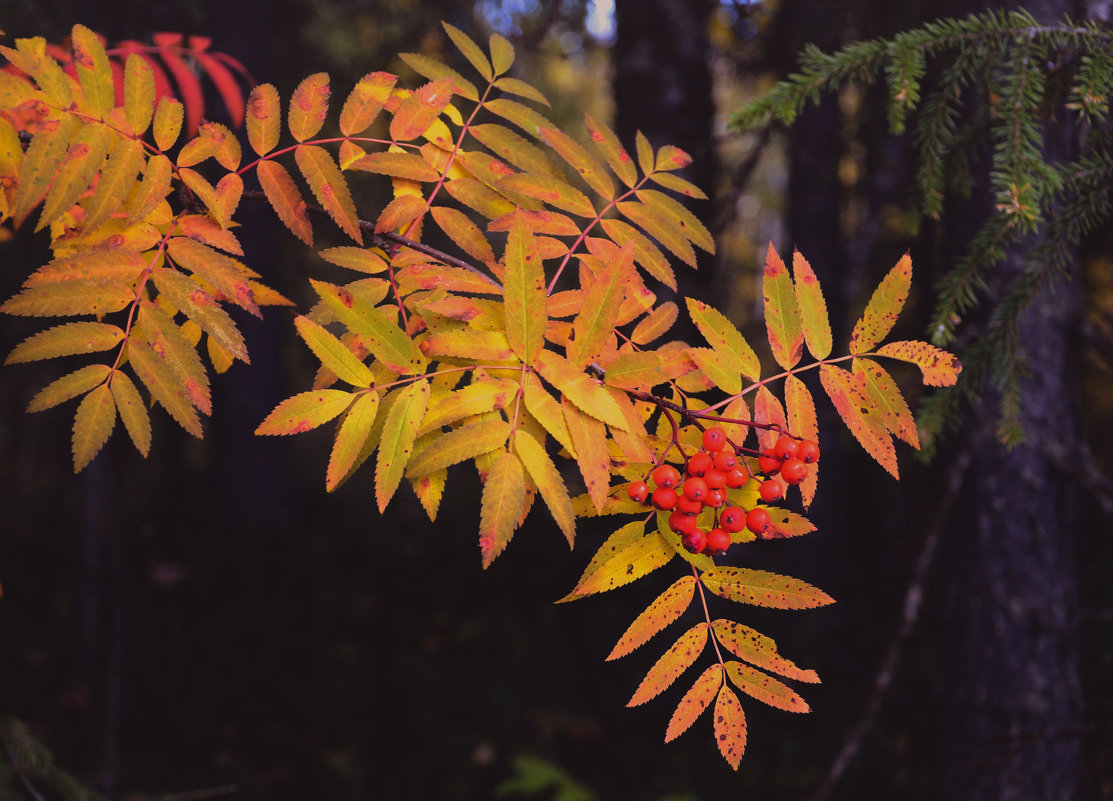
point(913, 599)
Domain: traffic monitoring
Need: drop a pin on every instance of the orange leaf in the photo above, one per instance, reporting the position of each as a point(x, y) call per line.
point(465, 233)
point(365, 102)
point(523, 116)
point(655, 324)
point(92, 425)
point(153, 189)
point(399, 213)
point(884, 307)
point(590, 441)
point(661, 227)
point(133, 411)
point(309, 106)
point(167, 123)
point(782, 315)
point(283, 195)
point(785, 524)
point(224, 273)
point(545, 476)
point(504, 493)
point(602, 304)
point(761, 588)
point(768, 410)
point(860, 414)
point(646, 255)
point(667, 607)
point(418, 111)
point(585, 392)
point(398, 436)
point(513, 148)
point(765, 688)
point(225, 84)
point(680, 217)
point(813, 308)
point(264, 119)
point(803, 423)
point(725, 339)
point(200, 307)
point(548, 190)
point(579, 160)
point(697, 699)
point(757, 649)
point(524, 300)
point(939, 367)
point(730, 727)
point(880, 387)
point(609, 146)
point(399, 165)
point(672, 663)
point(434, 70)
point(329, 187)
point(305, 411)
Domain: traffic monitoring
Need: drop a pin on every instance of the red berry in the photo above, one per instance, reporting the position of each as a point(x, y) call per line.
point(794, 471)
point(736, 478)
point(664, 498)
point(695, 488)
point(732, 519)
point(768, 463)
point(680, 522)
point(714, 439)
point(715, 498)
point(699, 464)
point(638, 491)
point(694, 541)
point(688, 506)
point(725, 461)
point(716, 479)
point(807, 452)
point(785, 448)
point(717, 541)
point(757, 520)
point(665, 476)
point(771, 490)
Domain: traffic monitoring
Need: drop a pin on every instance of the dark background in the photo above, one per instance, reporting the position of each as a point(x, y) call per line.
point(208, 622)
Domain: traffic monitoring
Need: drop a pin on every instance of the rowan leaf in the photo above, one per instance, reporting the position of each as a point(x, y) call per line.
point(590, 440)
point(429, 489)
point(264, 119)
point(329, 187)
point(353, 258)
point(674, 662)
point(513, 148)
point(398, 165)
point(801, 418)
point(579, 160)
point(786, 524)
point(757, 649)
point(478, 346)
point(662, 228)
point(730, 726)
point(92, 425)
point(459, 445)
point(94, 73)
point(524, 300)
point(502, 53)
point(420, 109)
point(643, 370)
point(476, 398)
point(434, 70)
point(167, 125)
point(200, 307)
point(451, 279)
point(153, 189)
point(883, 309)
point(115, 183)
point(546, 477)
point(221, 200)
point(882, 390)
point(697, 699)
point(189, 84)
point(765, 688)
point(768, 410)
point(677, 184)
point(724, 338)
point(860, 414)
point(646, 255)
point(379, 334)
point(399, 432)
point(655, 324)
point(940, 368)
point(782, 314)
point(73, 175)
point(68, 298)
point(132, 410)
point(601, 307)
point(472, 52)
point(351, 437)
point(667, 607)
point(68, 339)
point(163, 385)
point(139, 93)
point(283, 195)
point(399, 213)
point(176, 354)
point(719, 369)
point(522, 89)
point(366, 100)
point(619, 540)
point(813, 308)
point(549, 190)
point(223, 273)
point(679, 216)
point(333, 353)
point(762, 588)
point(585, 392)
point(305, 411)
point(309, 106)
point(69, 386)
point(607, 143)
point(626, 563)
point(226, 85)
point(547, 411)
point(40, 163)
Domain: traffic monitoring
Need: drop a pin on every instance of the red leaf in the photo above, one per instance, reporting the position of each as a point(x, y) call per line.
point(189, 86)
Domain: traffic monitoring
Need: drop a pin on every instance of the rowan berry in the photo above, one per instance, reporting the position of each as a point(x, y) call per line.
point(771, 490)
point(794, 471)
point(714, 439)
point(681, 523)
point(716, 479)
point(758, 520)
point(768, 463)
point(717, 541)
point(725, 461)
point(699, 464)
point(695, 488)
point(732, 519)
point(694, 541)
point(664, 498)
point(736, 478)
point(714, 498)
point(807, 452)
point(785, 448)
point(638, 491)
point(688, 506)
point(665, 475)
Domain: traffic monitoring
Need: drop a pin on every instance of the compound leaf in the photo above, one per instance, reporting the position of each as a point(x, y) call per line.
point(587, 393)
point(765, 688)
point(504, 494)
point(378, 332)
point(264, 119)
point(399, 433)
point(366, 100)
point(762, 588)
point(92, 425)
point(782, 314)
point(880, 388)
point(730, 726)
point(621, 565)
point(667, 607)
point(601, 307)
point(801, 418)
point(672, 663)
point(757, 649)
point(697, 699)
point(884, 307)
point(939, 367)
point(592, 457)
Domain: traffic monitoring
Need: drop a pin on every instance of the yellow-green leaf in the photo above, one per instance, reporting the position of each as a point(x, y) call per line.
point(643, 370)
point(434, 70)
point(667, 607)
point(587, 393)
point(478, 397)
point(757, 649)
point(379, 334)
point(522, 89)
point(351, 437)
point(68, 339)
point(939, 367)
point(697, 699)
point(722, 371)
point(547, 478)
point(399, 432)
point(329, 187)
point(730, 727)
point(69, 386)
point(263, 119)
point(880, 387)
point(504, 494)
point(861, 415)
point(365, 102)
point(782, 315)
point(353, 258)
point(511, 147)
point(672, 663)
point(333, 353)
point(472, 52)
point(115, 182)
point(524, 300)
point(94, 73)
point(762, 588)
point(309, 106)
point(305, 411)
point(283, 195)
point(813, 308)
point(92, 425)
point(133, 411)
point(765, 688)
point(724, 338)
point(67, 298)
point(628, 563)
point(602, 303)
point(502, 53)
point(883, 309)
point(590, 440)
point(458, 445)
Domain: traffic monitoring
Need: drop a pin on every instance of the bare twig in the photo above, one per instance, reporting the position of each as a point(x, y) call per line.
point(913, 599)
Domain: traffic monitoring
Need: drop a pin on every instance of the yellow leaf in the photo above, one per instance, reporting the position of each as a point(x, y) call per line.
point(579, 160)
point(660, 227)
point(68, 339)
point(545, 475)
point(73, 175)
point(884, 307)
point(714, 364)
point(168, 122)
point(329, 187)
point(860, 414)
point(679, 217)
point(522, 89)
point(458, 445)
point(762, 588)
point(153, 189)
point(730, 727)
point(263, 119)
point(607, 143)
point(399, 432)
point(139, 93)
point(642, 370)
point(133, 411)
point(618, 541)
point(69, 386)
point(523, 116)
point(309, 106)
point(625, 563)
point(513, 148)
point(163, 385)
point(283, 195)
point(92, 425)
point(724, 338)
point(67, 298)
point(305, 411)
point(478, 397)
point(672, 663)
point(667, 607)
point(646, 255)
point(177, 355)
point(813, 308)
point(601, 307)
point(115, 183)
point(551, 191)
point(421, 108)
point(940, 368)
point(351, 437)
point(879, 387)
point(547, 411)
point(590, 440)
point(365, 102)
point(525, 300)
point(586, 393)
point(782, 314)
point(429, 489)
point(504, 494)
point(757, 649)
point(697, 699)
point(333, 354)
point(765, 688)
point(93, 72)
point(502, 54)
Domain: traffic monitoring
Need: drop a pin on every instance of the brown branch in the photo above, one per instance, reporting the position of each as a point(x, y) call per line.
point(913, 599)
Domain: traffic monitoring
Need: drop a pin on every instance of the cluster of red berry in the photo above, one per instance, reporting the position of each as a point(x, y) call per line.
point(707, 477)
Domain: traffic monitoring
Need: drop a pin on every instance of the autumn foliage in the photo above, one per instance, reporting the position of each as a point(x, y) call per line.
point(539, 340)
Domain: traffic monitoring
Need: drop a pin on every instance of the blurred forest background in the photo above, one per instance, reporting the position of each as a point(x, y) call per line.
point(209, 623)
